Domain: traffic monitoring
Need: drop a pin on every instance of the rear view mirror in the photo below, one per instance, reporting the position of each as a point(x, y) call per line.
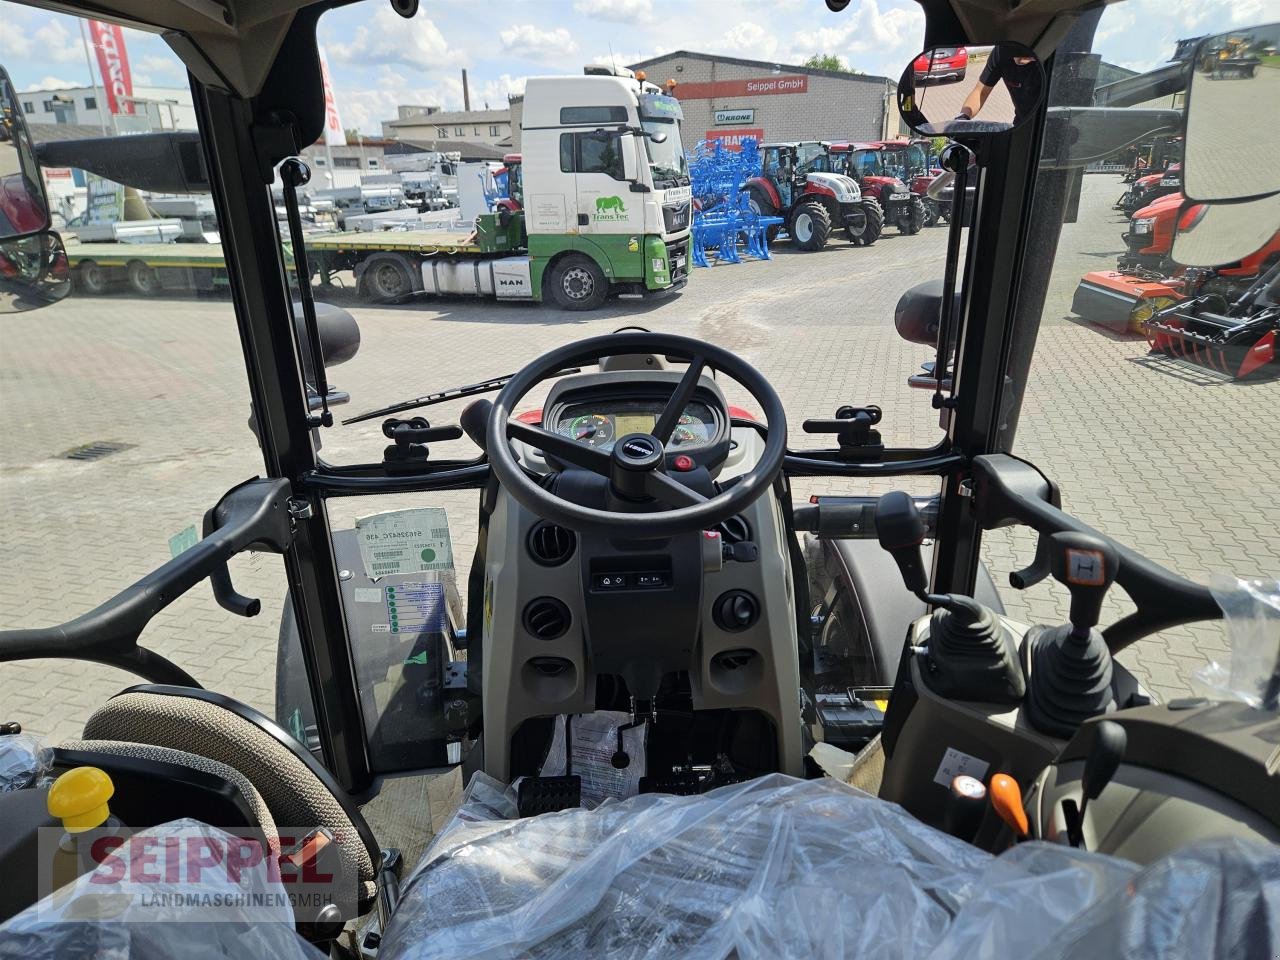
point(1214, 234)
point(24, 209)
point(1233, 129)
point(991, 92)
point(34, 272)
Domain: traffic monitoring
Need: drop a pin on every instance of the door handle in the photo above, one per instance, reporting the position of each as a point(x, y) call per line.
point(583, 220)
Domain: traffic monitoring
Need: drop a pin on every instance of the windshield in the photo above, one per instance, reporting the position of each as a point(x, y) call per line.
point(666, 159)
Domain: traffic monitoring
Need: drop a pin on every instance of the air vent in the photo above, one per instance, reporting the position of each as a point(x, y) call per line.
point(734, 659)
point(94, 451)
point(550, 666)
point(551, 545)
point(546, 618)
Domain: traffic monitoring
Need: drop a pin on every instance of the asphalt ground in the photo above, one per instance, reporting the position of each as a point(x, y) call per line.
point(1176, 463)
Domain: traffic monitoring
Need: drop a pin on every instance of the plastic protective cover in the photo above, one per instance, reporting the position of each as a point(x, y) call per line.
point(24, 760)
point(779, 867)
point(242, 912)
point(1251, 672)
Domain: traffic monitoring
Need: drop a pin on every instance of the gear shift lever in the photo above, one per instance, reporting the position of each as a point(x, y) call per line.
point(971, 655)
point(1070, 665)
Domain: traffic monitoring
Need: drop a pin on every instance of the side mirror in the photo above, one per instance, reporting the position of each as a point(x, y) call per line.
point(948, 92)
point(24, 208)
point(1230, 145)
point(34, 272)
point(1214, 234)
point(630, 163)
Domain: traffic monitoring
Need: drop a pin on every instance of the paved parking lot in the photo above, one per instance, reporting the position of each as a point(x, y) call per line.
point(1174, 463)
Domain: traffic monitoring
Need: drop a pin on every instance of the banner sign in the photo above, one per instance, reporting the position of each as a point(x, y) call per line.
point(732, 139)
point(334, 135)
point(113, 62)
point(752, 87)
point(730, 117)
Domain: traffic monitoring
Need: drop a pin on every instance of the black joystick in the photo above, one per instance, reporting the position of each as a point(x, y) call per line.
point(971, 656)
point(1070, 665)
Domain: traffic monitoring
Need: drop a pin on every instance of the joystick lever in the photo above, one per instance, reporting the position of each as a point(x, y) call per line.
point(1086, 565)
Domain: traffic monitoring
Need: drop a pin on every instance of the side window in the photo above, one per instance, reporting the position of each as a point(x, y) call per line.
point(600, 153)
point(566, 153)
point(593, 115)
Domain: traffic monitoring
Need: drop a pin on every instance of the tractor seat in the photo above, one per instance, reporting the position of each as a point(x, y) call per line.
point(297, 792)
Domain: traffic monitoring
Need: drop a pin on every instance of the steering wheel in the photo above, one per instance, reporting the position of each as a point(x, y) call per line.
point(636, 466)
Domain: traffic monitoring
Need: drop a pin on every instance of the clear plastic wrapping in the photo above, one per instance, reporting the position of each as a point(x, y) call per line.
point(24, 759)
point(780, 868)
point(225, 910)
point(1251, 671)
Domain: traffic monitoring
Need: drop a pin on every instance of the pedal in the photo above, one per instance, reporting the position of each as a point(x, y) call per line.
point(537, 795)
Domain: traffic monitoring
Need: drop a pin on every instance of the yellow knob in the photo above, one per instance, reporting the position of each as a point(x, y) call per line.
point(79, 798)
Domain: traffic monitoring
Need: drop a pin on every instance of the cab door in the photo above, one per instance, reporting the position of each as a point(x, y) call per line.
point(606, 203)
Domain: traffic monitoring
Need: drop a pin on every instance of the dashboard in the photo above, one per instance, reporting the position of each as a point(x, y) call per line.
point(601, 422)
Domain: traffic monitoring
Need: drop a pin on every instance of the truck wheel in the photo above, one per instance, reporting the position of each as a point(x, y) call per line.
point(931, 212)
point(912, 220)
point(91, 278)
point(578, 283)
point(142, 278)
point(874, 225)
point(385, 280)
point(761, 207)
point(810, 225)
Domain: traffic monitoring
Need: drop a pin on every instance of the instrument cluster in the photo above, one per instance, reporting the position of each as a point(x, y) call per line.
point(600, 424)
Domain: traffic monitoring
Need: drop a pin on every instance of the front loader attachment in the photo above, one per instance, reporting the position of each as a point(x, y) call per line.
point(1122, 301)
point(1235, 347)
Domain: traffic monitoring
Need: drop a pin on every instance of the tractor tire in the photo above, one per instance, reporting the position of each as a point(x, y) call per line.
point(385, 280)
point(932, 212)
point(913, 221)
point(761, 207)
point(576, 282)
point(91, 278)
point(143, 279)
point(810, 225)
point(874, 226)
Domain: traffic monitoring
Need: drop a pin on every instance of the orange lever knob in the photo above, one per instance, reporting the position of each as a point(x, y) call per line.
point(1006, 797)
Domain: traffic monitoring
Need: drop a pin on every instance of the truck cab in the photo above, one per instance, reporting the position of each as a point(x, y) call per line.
point(606, 186)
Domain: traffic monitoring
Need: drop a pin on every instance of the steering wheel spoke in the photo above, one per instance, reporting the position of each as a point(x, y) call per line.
point(564, 448)
point(670, 491)
point(674, 409)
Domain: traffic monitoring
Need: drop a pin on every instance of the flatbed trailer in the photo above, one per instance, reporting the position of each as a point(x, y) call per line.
point(146, 268)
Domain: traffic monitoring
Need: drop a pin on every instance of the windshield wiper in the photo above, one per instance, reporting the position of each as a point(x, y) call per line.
point(453, 393)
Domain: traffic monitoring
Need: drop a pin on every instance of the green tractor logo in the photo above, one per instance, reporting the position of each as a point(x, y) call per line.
point(610, 208)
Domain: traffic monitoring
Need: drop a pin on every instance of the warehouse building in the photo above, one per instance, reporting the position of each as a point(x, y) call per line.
point(729, 98)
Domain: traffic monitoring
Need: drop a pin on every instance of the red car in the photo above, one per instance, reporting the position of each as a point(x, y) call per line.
point(942, 65)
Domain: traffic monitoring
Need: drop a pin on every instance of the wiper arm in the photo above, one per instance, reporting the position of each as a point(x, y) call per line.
point(453, 393)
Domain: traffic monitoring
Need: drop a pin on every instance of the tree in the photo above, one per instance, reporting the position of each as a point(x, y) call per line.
point(827, 61)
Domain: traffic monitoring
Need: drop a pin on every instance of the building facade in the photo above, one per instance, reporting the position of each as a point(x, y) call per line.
point(428, 123)
point(729, 98)
point(155, 108)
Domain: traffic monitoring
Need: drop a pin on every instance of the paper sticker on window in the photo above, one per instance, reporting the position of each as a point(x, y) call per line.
point(405, 541)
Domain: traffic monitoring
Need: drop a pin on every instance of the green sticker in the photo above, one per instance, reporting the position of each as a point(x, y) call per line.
point(419, 658)
point(428, 555)
point(182, 542)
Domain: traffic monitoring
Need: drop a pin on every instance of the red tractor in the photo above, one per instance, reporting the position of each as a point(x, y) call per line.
point(1148, 293)
point(796, 183)
point(896, 174)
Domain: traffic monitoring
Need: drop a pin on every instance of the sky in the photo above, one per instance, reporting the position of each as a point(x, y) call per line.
point(378, 60)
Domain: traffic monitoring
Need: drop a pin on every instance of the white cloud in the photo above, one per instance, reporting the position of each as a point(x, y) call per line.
point(54, 43)
point(750, 39)
point(495, 92)
point(161, 64)
point(527, 40)
point(617, 11)
point(51, 83)
point(389, 38)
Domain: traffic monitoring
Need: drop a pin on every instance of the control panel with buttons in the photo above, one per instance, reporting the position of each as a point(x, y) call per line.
point(627, 580)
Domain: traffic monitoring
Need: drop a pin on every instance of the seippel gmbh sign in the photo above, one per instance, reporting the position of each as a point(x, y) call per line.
point(735, 116)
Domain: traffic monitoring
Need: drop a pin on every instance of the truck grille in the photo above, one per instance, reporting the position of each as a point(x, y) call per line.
point(675, 217)
point(678, 259)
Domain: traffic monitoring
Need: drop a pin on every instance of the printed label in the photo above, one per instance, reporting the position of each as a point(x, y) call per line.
point(405, 541)
point(954, 763)
point(368, 595)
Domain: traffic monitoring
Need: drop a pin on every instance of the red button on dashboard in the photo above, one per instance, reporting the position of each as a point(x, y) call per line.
point(683, 463)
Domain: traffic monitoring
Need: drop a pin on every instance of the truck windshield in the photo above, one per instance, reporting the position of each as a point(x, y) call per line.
point(666, 159)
